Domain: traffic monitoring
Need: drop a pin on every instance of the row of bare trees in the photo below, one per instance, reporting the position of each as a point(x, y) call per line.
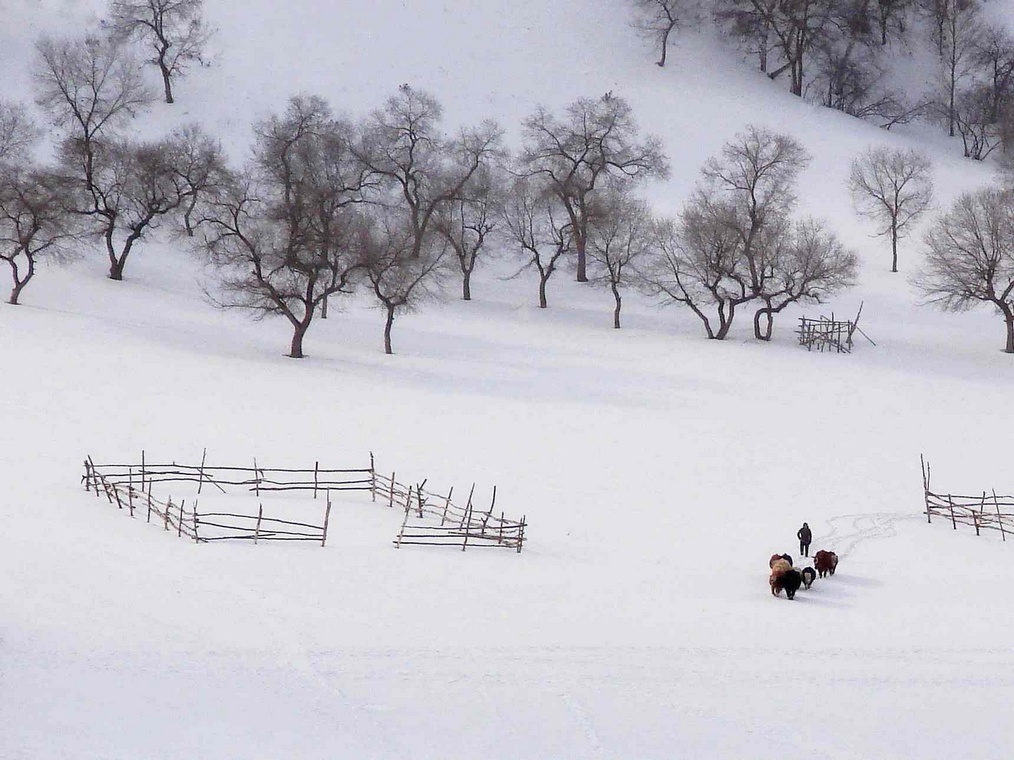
point(843, 53)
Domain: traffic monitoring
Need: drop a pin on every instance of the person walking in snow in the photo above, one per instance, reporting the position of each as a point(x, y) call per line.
point(804, 535)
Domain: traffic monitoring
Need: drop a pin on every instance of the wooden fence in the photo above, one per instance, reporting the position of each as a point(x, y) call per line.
point(985, 512)
point(463, 526)
point(130, 485)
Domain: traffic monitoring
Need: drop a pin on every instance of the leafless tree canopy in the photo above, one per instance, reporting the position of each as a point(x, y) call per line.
point(736, 240)
point(89, 85)
point(174, 31)
point(595, 147)
point(617, 244)
point(657, 20)
point(468, 223)
point(892, 187)
point(422, 177)
point(18, 132)
point(35, 223)
point(537, 226)
point(971, 256)
point(283, 236)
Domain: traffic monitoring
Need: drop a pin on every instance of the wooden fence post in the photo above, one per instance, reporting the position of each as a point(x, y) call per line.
point(165, 515)
point(197, 538)
point(88, 476)
point(179, 527)
point(954, 523)
point(521, 533)
point(468, 508)
point(316, 466)
point(419, 496)
point(999, 517)
point(200, 476)
point(390, 501)
point(468, 526)
point(327, 516)
point(447, 504)
point(373, 478)
point(142, 471)
point(257, 481)
point(257, 528)
point(401, 532)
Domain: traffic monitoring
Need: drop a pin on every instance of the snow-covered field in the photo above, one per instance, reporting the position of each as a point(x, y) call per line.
point(658, 470)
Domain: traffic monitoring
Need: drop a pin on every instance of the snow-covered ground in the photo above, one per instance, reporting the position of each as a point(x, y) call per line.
point(658, 470)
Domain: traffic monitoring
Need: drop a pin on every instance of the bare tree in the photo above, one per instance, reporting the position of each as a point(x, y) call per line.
point(810, 265)
point(132, 186)
point(696, 261)
point(90, 86)
point(18, 132)
point(421, 175)
point(789, 28)
point(468, 222)
point(962, 35)
point(971, 256)
point(539, 226)
point(593, 149)
point(200, 167)
point(285, 235)
point(753, 183)
point(617, 244)
point(174, 30)
point(402, 277)
point(35, 223)
point(893, 187)
point(891, 17)
point(656, 20)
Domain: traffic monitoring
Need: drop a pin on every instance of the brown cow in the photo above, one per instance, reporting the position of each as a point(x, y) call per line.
point(825, 562)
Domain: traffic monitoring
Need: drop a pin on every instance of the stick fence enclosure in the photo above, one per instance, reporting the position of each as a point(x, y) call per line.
point(130, 486)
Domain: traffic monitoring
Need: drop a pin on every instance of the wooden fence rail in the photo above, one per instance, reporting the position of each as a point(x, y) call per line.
point(984, 512)
point(460, 525)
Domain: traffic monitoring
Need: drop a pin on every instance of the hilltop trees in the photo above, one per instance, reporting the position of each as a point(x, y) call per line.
point(892, 187)
point(173, 30)
point(971, 256)
point(593, 149)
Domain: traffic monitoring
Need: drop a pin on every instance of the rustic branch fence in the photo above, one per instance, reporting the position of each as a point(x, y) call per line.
point(830, 334)
point(129, 486)
point(985, 512)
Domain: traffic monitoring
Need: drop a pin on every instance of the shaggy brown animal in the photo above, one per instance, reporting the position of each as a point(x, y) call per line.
point(779, 568)
point(825, 562)
point(790, 581)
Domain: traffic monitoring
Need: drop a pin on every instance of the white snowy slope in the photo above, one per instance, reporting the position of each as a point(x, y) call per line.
point(657, 470)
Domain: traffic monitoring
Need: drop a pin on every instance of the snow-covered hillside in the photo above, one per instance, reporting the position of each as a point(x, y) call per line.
point(657, 470)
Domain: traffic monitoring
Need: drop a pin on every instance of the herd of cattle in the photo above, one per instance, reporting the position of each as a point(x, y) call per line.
point(785, 577)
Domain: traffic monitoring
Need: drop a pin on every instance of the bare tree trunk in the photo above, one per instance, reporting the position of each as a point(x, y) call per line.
point(296, 348)
point(166, 74)
point(582, 266)
point(323, 307)
point(763, 333)
point(616, 311)
point(387, 330)
point(724, 321)
point(543, 303)
point(894, 244)
point(466, 286)
point(1009, 318)
point(20, 284)
point(665, 46)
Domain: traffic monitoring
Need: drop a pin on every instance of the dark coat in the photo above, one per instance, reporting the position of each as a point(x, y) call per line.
point(804, 535)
